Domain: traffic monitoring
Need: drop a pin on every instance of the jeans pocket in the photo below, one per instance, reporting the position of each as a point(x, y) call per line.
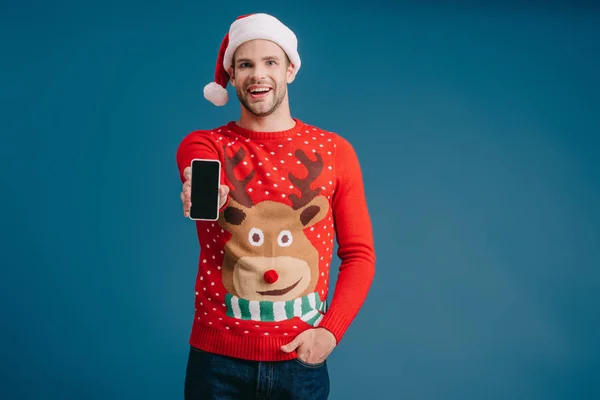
point(309, 365)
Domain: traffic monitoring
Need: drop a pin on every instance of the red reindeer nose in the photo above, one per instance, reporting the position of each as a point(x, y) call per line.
point(271, 276)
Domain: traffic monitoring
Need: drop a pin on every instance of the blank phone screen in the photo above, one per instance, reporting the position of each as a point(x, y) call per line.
point(205, 189)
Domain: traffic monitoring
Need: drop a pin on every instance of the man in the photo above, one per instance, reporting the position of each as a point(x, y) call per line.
point(262, 327)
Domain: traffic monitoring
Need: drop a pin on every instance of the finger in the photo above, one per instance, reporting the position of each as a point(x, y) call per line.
point(223, 190)
point(223, 193)
point(186, 184)
point(293, 345)
point(309, 358)
point(185, 196)
point(187, 173)
point(186, 204)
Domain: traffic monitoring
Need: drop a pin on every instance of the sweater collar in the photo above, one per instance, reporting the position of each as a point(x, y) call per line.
point(234, 127)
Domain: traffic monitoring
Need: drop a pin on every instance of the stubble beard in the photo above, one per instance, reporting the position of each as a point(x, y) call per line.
point(277, 98)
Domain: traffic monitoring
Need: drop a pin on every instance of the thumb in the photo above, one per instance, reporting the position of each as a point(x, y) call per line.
point(223, 192)
point(293, 345)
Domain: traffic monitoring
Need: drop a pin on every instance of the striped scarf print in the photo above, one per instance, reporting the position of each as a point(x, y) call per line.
point(309, 309)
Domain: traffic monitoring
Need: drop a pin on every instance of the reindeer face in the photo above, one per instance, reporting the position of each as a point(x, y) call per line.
point(269, 256)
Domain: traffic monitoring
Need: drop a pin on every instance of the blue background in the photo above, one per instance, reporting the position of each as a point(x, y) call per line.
point(477, 128)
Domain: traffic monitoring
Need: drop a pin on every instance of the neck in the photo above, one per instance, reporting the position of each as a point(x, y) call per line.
point(280, 120)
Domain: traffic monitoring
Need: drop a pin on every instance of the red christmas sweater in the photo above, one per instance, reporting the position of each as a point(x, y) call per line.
point(263, 271)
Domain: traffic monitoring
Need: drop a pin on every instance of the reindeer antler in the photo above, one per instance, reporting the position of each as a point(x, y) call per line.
point(239, 193)
point(314, 170)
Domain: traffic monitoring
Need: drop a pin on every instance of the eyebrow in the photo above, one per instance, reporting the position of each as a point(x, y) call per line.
point(239, 60)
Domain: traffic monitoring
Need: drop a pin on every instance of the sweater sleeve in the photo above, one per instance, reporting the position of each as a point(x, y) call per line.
point(194, 145)
point(355, 242)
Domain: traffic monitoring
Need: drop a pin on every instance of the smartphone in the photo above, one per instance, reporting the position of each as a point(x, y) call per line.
point(205, 182)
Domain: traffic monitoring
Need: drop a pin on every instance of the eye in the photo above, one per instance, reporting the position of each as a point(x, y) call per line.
point(256, 237)
point(285, 238)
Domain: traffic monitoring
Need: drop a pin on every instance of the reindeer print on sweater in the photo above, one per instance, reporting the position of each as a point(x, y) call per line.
point(264, 265)
point(271, 269)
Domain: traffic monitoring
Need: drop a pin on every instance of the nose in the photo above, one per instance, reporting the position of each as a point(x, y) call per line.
point(259, 72)
point(271, 276)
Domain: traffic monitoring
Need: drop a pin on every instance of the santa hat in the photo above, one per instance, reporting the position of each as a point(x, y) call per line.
point(243, 29)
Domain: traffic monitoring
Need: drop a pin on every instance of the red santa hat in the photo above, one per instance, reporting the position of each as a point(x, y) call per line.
point(243, 29)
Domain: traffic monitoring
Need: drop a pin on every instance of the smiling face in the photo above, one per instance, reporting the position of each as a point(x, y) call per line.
point(271, 278)
point(260, 74)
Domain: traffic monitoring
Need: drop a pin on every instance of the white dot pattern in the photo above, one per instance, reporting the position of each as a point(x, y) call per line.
point(272, 162)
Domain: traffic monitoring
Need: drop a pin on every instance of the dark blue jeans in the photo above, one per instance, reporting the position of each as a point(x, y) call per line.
point(215, 377)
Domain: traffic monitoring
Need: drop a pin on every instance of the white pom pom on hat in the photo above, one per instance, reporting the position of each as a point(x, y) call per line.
point(243, 29)
point(216, 94)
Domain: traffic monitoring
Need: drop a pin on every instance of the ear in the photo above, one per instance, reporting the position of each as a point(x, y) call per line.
point(231, 73)
point(290, 73)
point(233, 215)
point(314, 211)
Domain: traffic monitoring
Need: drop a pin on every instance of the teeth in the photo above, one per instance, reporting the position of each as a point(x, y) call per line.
point(260, 90)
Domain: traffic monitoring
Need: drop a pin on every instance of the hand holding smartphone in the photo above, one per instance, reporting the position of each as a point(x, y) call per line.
point(204, 194)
